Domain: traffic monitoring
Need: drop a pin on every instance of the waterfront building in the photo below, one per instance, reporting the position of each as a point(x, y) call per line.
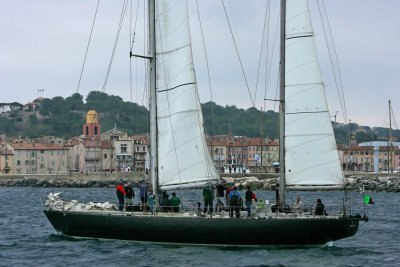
point(6, 159)
point(141, 148)
point(34, 158)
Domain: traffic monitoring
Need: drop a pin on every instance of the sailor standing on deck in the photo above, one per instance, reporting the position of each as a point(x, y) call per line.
point(234, 203)
point(120, 195)
point(298, 206)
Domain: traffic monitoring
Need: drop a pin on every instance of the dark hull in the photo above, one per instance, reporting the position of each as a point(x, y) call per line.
point(239, 232)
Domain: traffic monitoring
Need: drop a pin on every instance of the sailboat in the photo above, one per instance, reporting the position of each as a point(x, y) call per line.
point(180, 160)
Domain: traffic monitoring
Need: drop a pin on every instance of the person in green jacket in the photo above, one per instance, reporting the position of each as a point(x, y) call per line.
point(208, 197)
point(175, 202)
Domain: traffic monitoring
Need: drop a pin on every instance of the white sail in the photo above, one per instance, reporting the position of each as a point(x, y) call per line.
point(183, 158)
point(311, 155)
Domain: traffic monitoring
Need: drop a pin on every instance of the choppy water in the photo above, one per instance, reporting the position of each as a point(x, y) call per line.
point(27, 238)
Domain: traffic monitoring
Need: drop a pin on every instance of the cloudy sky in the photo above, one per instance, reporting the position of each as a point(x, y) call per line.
point(43, 44)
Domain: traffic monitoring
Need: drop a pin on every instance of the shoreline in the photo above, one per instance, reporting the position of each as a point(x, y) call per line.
point(381, 182)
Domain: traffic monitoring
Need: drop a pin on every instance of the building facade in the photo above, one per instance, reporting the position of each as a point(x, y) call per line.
point(33, 158)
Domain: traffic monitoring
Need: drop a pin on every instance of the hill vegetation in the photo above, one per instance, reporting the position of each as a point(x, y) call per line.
point(64, 117)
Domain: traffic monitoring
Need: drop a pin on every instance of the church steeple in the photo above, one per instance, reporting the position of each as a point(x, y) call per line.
point(92, 127)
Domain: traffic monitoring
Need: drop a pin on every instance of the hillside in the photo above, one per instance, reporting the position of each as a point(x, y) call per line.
point(64, 117)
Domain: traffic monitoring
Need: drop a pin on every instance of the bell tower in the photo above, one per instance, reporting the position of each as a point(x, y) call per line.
point(92, 127)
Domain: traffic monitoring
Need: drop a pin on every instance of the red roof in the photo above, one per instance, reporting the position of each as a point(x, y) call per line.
point(106, 145)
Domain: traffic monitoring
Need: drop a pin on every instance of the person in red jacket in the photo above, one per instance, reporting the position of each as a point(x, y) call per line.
point(120, 195)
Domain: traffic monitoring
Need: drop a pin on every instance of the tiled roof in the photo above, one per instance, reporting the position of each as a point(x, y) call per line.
point(37, 146)
point(106, 145)
point(354, 148)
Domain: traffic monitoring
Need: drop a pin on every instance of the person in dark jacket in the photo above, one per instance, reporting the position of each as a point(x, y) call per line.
point(130, 196)
point(166, 204)
point(120, 195)
point(319, 208)
point(249, 200)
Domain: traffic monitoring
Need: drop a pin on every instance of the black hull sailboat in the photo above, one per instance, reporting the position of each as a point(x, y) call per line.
point(281, 231)
point(179, 156)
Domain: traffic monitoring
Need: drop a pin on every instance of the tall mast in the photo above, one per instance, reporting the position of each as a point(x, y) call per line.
point(390, 169)
point(282, 106)
point(261, 137)
point(153, 100)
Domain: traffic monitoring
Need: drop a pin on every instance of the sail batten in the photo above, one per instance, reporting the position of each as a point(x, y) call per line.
point(183, 158)
point(312, 159)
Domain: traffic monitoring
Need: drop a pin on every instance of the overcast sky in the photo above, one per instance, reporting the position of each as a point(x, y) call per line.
point(43, 45)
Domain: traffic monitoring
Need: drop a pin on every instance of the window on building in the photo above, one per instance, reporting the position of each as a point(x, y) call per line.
point(63, 152)
point(53, 163)
point(32, 162)
point(105, 155)
point(111, 155)
point(62, 163)
point(6, 164)
point(33, 154)
point(52, 153)
point(18, 162)
point(124, 148)
point(58, 153)
point(42, 166)
point(137, 149)
point(144, 148)
point(41, 151)
point(26, 162)
point(42, 158)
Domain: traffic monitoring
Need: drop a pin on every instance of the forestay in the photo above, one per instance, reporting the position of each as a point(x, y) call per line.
point(311, 155)
point(183, 158)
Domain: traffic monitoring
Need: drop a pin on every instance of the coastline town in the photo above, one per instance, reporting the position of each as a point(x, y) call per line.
point(96, 151)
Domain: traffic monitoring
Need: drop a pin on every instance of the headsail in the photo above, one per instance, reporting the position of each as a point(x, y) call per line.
point(183, 158)
point(311, 155)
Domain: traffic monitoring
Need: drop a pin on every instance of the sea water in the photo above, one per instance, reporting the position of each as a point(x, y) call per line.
point(27, 237)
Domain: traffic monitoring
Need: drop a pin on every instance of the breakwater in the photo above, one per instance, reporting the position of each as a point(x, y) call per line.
point(385, 182)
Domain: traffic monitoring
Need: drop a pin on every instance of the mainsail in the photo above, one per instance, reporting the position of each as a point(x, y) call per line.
point(183, 157)
point(311, 154)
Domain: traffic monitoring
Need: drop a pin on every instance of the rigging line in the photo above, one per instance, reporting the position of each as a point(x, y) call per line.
point(237, 53)
point(134, 27)
point(337, 61)
point(277, 86)
point(208, 68)
point(332, 64)
point(130, 66)
point(121, 19)
point(266, 63)
point(394, 119)
point(131, 41)
point(261, 49)
point(268, 70)
point(212, 104)
point(87, 47)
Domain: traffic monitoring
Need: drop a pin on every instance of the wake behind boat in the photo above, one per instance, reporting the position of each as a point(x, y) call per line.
point(180, 159)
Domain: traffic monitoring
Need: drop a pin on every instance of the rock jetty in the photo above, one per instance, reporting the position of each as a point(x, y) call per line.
point(354, 181)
